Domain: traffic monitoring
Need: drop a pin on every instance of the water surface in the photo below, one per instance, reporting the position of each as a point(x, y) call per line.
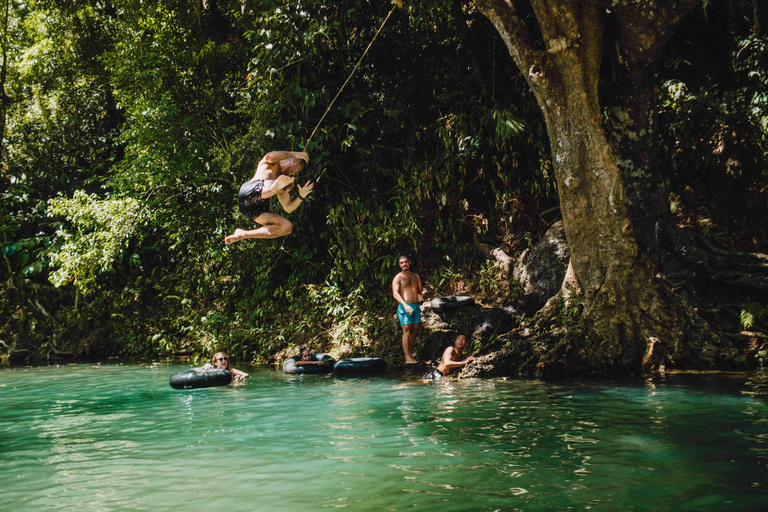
point(117, 437)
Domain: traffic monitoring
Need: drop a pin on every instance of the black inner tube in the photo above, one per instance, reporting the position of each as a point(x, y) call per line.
point(360, 365)
point(198, 378)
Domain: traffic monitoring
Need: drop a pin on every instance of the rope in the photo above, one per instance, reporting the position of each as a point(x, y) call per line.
point(398, 3)
point(352, 73)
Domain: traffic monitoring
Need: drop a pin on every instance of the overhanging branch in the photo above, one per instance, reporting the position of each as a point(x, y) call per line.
point(513, 31)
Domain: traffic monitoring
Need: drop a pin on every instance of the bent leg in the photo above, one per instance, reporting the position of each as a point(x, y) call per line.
point(272, 226)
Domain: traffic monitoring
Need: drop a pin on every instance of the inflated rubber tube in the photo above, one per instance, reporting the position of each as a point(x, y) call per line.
point(199, 378)
point(454, 302)
point(290, 366)
point(360, 365)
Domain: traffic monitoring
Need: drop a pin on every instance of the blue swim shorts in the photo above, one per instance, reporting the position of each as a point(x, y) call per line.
point(405, 318)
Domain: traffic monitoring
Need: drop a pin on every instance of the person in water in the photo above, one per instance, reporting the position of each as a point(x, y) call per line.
point(220, 361)
point(305, 358)
point(407, 291)
point(453, 357)
point(275, 176)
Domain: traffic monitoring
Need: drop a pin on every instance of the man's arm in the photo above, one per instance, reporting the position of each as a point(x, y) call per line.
point(397, 296)
point(449, 363)
point(281, 185)
point(274, 157)
point(288, 204)
point(419, 289)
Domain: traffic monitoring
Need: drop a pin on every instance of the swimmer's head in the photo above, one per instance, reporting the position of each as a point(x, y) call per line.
point(220, 360)
point(304, 354)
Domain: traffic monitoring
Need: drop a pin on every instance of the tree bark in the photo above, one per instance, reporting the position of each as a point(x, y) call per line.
point(629, 314)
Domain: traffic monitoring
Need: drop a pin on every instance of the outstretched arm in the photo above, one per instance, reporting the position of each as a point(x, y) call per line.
point(238, 375)
point(308, 363)
point(450, 364)
point(289, 204)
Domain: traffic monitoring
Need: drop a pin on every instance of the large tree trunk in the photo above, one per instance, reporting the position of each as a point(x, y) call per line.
point(629, 314)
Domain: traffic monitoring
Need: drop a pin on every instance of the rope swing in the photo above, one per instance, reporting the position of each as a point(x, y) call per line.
point(398, 3)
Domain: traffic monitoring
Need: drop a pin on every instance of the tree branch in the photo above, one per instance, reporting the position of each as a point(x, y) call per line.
point(496, 254)
point(513, 31)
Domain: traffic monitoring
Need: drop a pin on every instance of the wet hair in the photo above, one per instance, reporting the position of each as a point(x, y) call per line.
point(403, 256)
point(462, 334)
point(302, 349)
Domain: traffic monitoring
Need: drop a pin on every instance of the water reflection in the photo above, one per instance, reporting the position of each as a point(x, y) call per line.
point(116, 437)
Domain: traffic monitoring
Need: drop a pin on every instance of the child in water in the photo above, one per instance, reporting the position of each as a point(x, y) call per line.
point(220, 361)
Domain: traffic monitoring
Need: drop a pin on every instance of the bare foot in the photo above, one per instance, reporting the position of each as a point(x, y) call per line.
point(235, 237)
point(410, 361)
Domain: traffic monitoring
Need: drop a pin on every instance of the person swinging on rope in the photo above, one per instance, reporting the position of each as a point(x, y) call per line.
point(275, 176)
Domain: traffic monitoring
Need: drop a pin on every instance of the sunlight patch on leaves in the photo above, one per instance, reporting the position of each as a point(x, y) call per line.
point(99, 232)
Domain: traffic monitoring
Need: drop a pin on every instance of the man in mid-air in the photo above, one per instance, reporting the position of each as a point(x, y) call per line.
point(275, 175)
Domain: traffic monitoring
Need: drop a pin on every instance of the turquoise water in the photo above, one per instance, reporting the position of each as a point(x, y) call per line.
point(117, 437)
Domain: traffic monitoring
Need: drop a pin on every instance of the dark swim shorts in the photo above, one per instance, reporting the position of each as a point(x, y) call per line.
point(249, 199)
point(433, 375)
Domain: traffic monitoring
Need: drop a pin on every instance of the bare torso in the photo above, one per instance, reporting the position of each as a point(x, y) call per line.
point(277, 174)
point(408, 284)
point(450, 354)
point(267, 171)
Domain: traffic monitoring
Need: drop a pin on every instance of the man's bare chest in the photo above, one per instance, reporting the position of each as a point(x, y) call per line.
point(407, 280)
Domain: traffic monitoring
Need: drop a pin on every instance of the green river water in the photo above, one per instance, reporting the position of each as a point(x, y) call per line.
point(118, 437)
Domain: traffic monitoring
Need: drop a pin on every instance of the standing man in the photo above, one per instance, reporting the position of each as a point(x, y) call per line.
point(407, 290)
point(274, 176)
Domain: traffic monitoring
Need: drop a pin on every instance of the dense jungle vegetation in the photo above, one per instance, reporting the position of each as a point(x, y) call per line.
point(128, 126)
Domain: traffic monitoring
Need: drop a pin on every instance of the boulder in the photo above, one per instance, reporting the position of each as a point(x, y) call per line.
point(540, 270)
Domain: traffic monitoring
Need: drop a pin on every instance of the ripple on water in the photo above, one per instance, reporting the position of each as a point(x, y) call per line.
point(117, 437)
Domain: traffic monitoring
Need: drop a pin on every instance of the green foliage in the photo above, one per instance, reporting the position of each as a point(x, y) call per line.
point(569, 308)
point(102, 229)
point(489, 278)
point(135, 122)
point(748, 60)
point(713, 115)
point(346, 314)
point(30, 252)
point(446, 280)
point(751, 314)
